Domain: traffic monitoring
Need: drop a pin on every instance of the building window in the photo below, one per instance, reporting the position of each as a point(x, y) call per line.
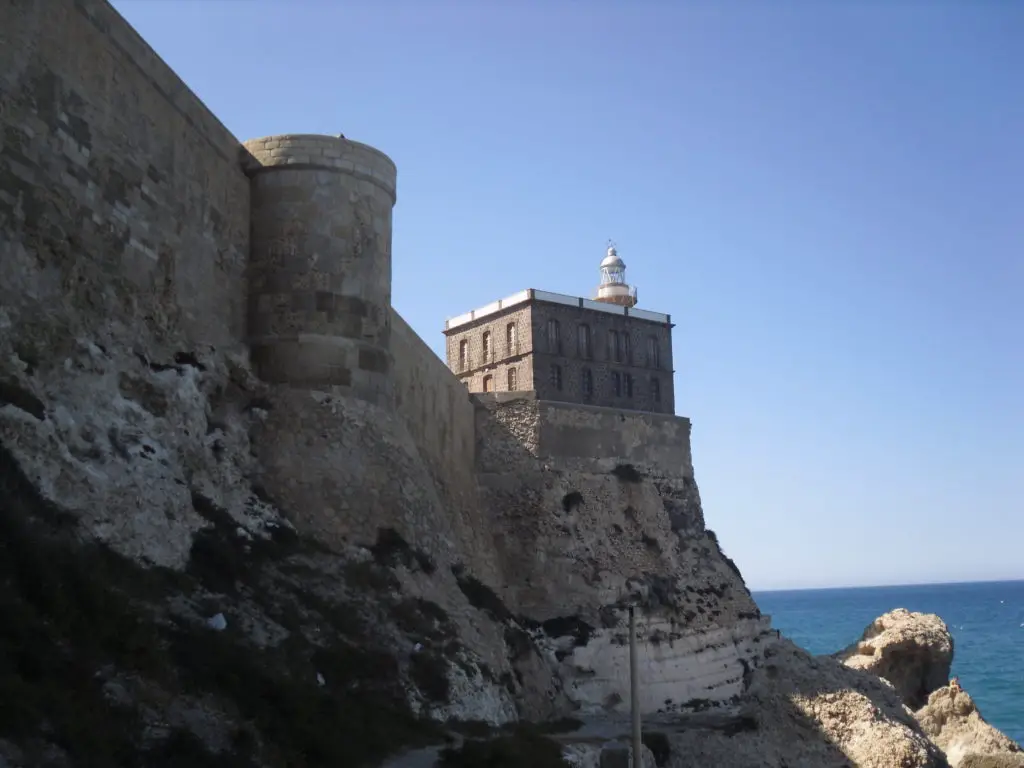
point(621, 347)
point(629, 384)
point(626, 356)
point(653, 356)
point(588, 384)
point(613, 345)
point(655, 390)
point(488, 383)
point(554, 337)
point(512, 339)
point(487, 347)
point(583, 341)
point(556, 377)
point(511, 379)
point(463, 354)
point(617, 383)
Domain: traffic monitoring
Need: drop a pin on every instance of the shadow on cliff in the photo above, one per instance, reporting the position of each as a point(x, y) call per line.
point(805, 710)
point(106, 663)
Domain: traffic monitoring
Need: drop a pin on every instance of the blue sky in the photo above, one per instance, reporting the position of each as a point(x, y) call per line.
point(828, 197)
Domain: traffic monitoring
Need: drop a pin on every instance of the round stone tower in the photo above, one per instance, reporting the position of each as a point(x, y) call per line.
point(320, 263)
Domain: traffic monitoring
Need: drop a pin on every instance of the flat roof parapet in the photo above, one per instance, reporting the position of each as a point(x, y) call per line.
point(532, 294)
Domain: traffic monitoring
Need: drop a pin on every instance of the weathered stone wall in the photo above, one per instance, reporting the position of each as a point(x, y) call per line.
point(124, 228)
point(595, 436)
point(602, 359)
point(122, 202)
point(320, 292)
point(438, 413)
point(501, 355)
point(508, 432)
point(517, 427)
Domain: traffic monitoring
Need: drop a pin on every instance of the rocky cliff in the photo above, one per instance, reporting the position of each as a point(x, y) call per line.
point(184, 552)
point(198, 563)
point(200, 568)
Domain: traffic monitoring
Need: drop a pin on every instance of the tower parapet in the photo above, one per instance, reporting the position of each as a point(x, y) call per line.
point(320, 263)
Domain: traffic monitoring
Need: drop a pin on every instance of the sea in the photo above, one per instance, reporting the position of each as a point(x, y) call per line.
point(985, 618)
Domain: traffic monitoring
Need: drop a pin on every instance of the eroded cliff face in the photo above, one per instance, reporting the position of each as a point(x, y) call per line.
point(594, 510)
point(311, 526)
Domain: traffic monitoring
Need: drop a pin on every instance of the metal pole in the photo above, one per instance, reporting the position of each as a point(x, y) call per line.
point(634, 692)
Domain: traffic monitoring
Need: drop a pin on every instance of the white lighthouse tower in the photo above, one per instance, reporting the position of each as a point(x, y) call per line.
point(613, 288)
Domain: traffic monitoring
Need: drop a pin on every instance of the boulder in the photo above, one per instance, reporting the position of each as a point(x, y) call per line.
point(913, 651)
point(951, 719)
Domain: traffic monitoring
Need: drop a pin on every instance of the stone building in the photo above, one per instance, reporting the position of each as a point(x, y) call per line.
point(602, 351)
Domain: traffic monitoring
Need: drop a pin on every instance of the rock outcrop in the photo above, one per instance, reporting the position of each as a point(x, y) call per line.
point(913, 651)
point(952, 720)
point(806, 710)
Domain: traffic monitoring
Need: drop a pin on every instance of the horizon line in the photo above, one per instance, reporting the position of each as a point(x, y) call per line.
point(889, 586)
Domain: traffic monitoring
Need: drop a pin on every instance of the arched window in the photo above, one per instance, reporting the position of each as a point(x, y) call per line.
point(511, 339)
point(588, 384)
point(488, 383)
point(554, 337)
point(653, 353)
point(583, 341)
point(629, 384)
point(512, 380)
point(617, 383)
point(556, 377)
point(655, 389)
point(487, 347)
point(463, 354)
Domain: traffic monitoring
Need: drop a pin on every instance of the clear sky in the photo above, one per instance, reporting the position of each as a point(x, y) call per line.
point(828, 197)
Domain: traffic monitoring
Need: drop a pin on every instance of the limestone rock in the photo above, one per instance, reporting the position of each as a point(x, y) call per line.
point(813, 711)
point(913, 651)
point(952, 720)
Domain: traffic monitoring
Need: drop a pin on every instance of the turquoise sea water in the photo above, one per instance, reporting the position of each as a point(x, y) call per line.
point(986, 619)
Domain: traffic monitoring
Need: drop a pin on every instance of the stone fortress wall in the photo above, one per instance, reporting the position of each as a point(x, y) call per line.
point(437, 411)
point(125, 204)
point(121, 174)
point(587, 435)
